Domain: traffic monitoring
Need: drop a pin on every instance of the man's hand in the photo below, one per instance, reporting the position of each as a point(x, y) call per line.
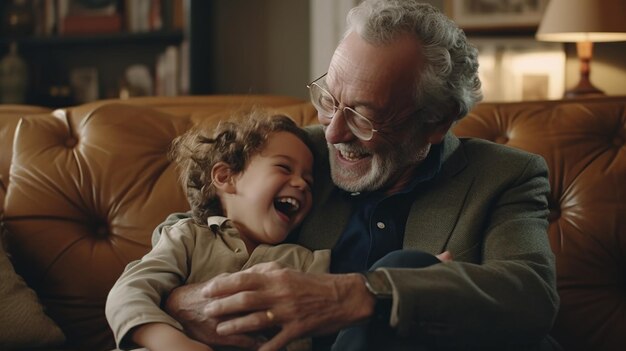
point(187, 304)
point(301, 304)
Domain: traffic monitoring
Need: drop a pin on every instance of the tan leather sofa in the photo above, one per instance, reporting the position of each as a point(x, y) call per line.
point(82, 189)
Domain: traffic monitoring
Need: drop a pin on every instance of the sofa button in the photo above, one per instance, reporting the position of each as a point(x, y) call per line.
point(71, 142)
point(102, 231)
point(501, 140)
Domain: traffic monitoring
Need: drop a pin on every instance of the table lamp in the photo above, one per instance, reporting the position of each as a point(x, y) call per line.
point(583, 22)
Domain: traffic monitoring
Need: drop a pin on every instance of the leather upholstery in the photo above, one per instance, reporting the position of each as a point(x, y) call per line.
point(88, 185)
point(584, 144)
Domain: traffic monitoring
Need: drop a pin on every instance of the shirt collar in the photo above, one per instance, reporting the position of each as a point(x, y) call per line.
point(216, 221)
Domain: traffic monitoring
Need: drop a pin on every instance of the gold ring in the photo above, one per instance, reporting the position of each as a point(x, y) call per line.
point(270, 315)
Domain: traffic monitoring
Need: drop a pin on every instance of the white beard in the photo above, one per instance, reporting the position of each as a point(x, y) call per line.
point(385, 167)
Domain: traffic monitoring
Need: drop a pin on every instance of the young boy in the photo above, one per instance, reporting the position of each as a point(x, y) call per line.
point(248, 185)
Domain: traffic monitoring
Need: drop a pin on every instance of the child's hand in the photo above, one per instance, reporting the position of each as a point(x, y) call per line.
point(445, 256)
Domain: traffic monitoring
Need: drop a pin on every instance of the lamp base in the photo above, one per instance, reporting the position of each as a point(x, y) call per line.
point(583, 89)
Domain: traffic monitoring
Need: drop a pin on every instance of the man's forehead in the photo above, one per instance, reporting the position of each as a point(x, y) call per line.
point(401, 59)
point(377, 76)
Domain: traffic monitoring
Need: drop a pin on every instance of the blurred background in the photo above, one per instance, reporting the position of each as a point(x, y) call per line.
point(62, 52)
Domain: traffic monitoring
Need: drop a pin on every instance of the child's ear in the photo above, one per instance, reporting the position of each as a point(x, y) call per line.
point(223, 178)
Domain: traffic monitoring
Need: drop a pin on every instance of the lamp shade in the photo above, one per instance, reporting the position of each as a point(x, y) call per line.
point(583, 20)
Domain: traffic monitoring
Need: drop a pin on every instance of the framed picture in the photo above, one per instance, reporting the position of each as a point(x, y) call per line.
point(496, 15)
point(520, 69)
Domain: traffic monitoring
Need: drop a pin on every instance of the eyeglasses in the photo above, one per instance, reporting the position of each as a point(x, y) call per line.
point(326, 105)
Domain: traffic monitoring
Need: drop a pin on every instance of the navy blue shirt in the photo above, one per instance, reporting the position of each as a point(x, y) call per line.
point(377, 224)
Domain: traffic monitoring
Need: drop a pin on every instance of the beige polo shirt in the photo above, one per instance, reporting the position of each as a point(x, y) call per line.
point(189, 253)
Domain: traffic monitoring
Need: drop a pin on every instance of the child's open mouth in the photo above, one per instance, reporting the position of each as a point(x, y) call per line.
point(287, 205)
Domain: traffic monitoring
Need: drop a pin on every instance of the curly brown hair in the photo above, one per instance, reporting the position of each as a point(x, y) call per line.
point(233, 142)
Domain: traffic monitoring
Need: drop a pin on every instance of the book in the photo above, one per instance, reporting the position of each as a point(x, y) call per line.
point(90, 24)
point(88, 17)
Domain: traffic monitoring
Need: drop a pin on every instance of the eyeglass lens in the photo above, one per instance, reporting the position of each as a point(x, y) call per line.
point(326, 104)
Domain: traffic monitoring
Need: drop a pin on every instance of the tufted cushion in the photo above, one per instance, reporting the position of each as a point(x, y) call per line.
point(85, 199)
point(584, 144)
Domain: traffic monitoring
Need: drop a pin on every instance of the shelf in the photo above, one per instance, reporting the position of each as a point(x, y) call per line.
point(53, 60)
point(160, 37)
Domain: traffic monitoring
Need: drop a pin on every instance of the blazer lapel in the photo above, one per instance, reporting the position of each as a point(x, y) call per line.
point(439, 202)
point(325, 223)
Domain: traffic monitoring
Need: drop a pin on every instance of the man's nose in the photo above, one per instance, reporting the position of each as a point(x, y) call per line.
point(337, 131)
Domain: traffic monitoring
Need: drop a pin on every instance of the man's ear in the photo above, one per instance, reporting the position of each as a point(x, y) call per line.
point(223, 178)
point(438, 132)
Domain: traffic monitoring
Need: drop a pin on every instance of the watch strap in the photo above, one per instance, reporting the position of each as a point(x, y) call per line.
point(378, 283)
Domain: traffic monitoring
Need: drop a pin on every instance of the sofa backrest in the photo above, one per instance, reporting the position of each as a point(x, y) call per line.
point(584, 144)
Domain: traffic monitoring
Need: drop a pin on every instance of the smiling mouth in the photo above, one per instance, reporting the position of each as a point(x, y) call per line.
point(351, 156)
point(287, 205)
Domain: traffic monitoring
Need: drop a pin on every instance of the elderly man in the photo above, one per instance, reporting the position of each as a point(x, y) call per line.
point(401, 76)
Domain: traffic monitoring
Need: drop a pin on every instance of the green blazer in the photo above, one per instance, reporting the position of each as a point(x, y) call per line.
point(488, 206)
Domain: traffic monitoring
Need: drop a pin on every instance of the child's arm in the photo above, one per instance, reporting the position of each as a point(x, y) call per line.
point(136, 297)
point(161, 336)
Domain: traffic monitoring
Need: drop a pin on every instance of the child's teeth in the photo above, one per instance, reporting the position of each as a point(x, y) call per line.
point(290, 200)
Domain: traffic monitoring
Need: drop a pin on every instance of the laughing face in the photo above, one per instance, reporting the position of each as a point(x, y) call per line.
point(378, 81)
point(273, 194)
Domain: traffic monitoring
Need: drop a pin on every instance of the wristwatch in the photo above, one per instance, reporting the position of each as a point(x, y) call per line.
point(379, 285)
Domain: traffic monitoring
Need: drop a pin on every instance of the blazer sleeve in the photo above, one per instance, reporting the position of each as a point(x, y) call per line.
point(508, 298)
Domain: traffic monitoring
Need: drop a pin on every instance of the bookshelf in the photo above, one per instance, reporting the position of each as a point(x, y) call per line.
point(63, 66)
